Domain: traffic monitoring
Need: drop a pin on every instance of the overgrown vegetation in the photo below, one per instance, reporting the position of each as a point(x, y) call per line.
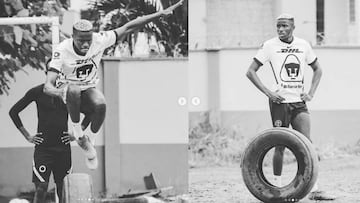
point(34, 49)
point(213, 145)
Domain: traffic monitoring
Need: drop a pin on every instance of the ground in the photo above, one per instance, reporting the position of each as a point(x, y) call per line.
point(339, 177)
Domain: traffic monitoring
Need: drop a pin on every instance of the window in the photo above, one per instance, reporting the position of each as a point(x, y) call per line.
point(320, 22)
point(352, 16)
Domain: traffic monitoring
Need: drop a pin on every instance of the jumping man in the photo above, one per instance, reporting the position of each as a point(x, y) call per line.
point(73, 75)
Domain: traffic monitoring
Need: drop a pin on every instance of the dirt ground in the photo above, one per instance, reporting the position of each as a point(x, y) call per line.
point(339, 177)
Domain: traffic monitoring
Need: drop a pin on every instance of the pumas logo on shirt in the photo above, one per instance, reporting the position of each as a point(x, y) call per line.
point(289, 50)
point(290, 70)
point(83, 71)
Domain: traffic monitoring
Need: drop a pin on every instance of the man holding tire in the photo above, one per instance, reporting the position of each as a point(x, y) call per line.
point(288, 57)
point(52, 140)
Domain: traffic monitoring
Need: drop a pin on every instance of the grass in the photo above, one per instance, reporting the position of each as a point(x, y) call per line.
point(214, 145)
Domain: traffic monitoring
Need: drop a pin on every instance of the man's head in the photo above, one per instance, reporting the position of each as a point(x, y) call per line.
point(82, 35)
point(285, 26)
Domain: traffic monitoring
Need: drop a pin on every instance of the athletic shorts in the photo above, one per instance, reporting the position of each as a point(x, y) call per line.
point(283, 114)
point(51, 159)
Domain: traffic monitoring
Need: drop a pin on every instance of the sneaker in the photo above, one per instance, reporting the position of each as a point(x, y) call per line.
point(321, 195)
point(89, 151)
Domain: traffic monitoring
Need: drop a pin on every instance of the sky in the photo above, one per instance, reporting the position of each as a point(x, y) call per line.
point(79, 4)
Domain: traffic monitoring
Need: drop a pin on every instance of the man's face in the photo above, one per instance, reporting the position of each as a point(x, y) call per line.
point(82, 40)
point(285, 28)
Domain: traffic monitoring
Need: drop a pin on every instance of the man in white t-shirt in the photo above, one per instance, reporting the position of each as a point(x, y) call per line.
point(288, 57)
point(73, 75)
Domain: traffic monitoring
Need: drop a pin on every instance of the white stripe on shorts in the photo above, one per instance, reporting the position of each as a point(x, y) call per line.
point(37, 173)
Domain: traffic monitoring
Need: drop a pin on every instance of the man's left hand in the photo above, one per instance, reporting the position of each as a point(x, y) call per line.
point(67, 137)
point(306, 97)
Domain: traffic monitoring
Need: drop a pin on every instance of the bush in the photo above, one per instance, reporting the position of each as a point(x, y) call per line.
point(213, 145)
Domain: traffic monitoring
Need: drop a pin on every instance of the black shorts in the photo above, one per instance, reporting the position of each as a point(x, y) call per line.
point(51, 159)
point(283, 114)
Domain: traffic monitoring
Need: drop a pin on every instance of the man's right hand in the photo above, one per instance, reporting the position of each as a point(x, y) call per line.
point(275, 97)
point(35, 139)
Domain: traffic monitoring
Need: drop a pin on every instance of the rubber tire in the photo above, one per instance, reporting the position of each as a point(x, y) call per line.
point(253, 157)
point(77, 187)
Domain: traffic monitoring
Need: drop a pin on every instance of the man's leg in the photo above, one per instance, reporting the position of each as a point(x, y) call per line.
point(41, 173)
point(301, 123)
point(280, 118)
point(73, 101)
point(94, 106)
point(62, 167)
point(73, 104)
point(59, 188)
point(278, 160)
point(40, 192)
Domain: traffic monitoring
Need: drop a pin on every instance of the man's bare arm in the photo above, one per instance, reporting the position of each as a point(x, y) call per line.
point(14, 115)
point(253, 77)
point(49, 87)
point(314, 82)
point(141, 21)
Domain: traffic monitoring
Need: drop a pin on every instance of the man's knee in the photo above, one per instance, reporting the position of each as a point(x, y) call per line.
point(73, 90)
point(100, 107)
point(279, 150)
point(99, 103)
point(40, 192)
point(301, 123)
point(41, 187)
point(93, 101)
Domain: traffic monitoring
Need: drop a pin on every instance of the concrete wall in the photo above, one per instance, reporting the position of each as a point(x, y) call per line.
point(305, 17)
point(247, 23)
point(147, 127)
point(230, 23)
point(145, 130)
point(197, 12)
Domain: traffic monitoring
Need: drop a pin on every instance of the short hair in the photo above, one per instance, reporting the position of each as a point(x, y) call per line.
point(82, 26)
point(285, 16)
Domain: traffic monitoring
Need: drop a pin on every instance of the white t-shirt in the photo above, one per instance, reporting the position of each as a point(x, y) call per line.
point(81, 70)
point(288, 62)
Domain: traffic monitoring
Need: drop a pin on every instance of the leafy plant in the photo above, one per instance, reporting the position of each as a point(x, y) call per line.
point(14, 57)
point(171, 32)
point(213, 145)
